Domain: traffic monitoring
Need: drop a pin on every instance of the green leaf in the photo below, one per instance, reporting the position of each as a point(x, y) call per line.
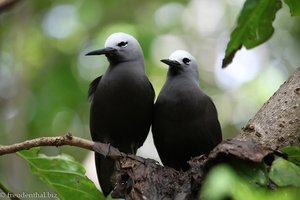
point(294, 6)
point(293, 154)
point(64, 175)
point(285, 173)
point(223, 183)
point(255, 173)
point(254, 26)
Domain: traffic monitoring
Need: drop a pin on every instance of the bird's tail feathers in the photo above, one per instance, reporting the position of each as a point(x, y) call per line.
point(105, 168)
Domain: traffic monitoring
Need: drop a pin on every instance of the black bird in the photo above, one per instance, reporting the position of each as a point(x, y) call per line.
point(185, 120)
point(121, 102)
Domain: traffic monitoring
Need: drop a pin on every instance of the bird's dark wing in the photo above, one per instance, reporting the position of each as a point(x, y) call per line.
point(93, 87)
point(213, 123)
point(152, 90)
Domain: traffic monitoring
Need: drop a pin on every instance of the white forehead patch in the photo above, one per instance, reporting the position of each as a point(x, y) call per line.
point(116, 38)
point(178, 55)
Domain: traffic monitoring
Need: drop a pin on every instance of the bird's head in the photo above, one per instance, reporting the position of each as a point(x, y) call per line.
point(182, 62)
point(120, 47)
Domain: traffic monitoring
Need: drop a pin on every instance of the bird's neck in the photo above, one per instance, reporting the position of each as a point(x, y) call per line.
point(129, 66)
point(183, 76)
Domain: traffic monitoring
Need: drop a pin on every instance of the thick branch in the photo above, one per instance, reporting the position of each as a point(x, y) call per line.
point(277, 123)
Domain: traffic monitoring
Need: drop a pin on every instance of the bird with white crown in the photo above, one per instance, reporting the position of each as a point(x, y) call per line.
point(121, 102)
point(185, 121)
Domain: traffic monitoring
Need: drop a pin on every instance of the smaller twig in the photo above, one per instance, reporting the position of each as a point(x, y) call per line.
point(105, 149)
point(67, 139)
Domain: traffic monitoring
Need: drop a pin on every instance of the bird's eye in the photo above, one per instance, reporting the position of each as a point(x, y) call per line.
point(123, 44)
point(186, 61)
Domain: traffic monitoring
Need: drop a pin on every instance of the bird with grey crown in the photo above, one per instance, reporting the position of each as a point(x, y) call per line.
point(185, 121)
point(121, 102)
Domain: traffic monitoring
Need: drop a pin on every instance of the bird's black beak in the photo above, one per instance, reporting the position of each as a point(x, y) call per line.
point(107, 50)
point(170, 62)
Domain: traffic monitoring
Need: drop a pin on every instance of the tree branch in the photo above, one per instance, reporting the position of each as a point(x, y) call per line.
point(67, 139)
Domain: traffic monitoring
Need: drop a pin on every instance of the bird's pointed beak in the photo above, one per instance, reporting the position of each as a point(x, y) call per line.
point(170, 62)
point(107, 50)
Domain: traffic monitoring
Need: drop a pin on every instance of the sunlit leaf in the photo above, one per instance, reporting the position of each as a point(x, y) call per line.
point(294, 6)
point(285, 173)
point(254, 26)
point(64, 175)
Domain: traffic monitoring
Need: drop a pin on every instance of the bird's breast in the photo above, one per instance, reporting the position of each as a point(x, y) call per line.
point(180, 103)
point(123, 89)
point(121, 108)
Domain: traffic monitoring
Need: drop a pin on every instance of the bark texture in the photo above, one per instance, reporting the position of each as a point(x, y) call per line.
point(277, 123)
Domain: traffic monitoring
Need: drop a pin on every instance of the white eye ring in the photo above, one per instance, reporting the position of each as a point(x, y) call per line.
point(123, 44)
point(186, 61)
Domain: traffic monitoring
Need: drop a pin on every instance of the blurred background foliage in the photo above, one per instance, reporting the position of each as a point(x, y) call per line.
point(44, 74)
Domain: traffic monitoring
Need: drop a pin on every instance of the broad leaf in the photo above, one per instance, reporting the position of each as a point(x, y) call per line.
point(254, 26)
point(64, 175)
point(294, 6)
point(285, 173)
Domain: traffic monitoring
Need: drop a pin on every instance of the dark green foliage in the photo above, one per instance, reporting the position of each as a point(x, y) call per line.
point(254, 25)
point(293, 154)
point(294, 6)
